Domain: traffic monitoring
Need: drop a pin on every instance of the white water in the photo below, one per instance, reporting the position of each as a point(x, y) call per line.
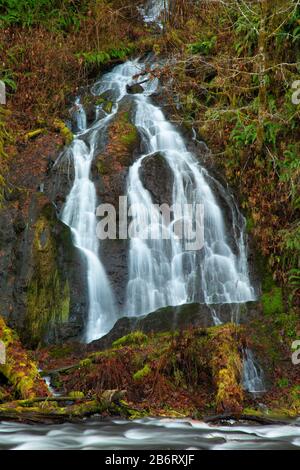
point(253, 376)
point(149, 434)
point(79, 214)
point(163, 272)
point(153, 11)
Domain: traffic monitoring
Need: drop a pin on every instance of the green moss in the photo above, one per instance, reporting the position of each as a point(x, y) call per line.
point(61, 351)
point(107, 107)
point(283, 382)
point(76, 394)
point(137, 337)
point(128, 132)
point(48, 294)
point(101, 167)
point(64, 130)
point(131, 137)
point(32, 134)
point(140, 374)
point(86, 362)
point(272, 301)
point(19, 370)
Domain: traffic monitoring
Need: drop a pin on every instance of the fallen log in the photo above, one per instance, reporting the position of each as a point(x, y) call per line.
point(243, 417)
point(64, 409)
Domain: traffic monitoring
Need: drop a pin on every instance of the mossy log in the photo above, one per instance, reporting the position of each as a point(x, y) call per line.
point(19, 370)
point(64, 409)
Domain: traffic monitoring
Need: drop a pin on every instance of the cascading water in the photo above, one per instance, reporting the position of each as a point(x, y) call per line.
point(79, 215)
point(79, 212)
point(153, 11)
point(162, 272)
point(253, 376)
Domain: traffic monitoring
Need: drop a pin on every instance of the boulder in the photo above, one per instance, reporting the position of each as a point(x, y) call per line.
point(179, 318)
point(135, 89)
point(157, 177)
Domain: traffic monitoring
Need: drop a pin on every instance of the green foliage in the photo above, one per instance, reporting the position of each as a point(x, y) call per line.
point(272, 301)
point(61, 14)
point(246, 29)
point(289, 169)
point(140, 374)
point(102, 57)
point(137, 337)
point(271, 130)
point(282, 383)
point(294, 281)
point(203, 47)
point(243, 134)
point(291, 30)
point(8, 77)
point(290, 244)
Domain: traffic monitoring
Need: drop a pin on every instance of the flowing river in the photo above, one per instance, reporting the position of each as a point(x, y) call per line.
point(149, 434)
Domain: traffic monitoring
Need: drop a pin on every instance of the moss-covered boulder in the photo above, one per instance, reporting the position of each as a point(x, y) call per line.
point(168, 319)
point(21, 372)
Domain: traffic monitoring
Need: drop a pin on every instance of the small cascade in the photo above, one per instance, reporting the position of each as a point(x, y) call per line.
point(153, 11)
point(253, 376)
point(79, 213)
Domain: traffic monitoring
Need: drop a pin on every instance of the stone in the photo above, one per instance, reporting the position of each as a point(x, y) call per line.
point(135, 89)
point(157, 178)
point(177, 318)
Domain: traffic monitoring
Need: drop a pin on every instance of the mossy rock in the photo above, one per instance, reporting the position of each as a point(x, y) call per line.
point(65, 132)
point(108, 106)
point(48, 291)
point(20, 371)
point(137, 337)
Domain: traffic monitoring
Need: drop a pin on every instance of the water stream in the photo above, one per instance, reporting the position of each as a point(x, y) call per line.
point(149, 434)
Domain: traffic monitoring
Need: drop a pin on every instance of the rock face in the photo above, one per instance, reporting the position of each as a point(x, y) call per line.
point(42, 290)
point(110, 169)
point(179, 318)
point(157, 177)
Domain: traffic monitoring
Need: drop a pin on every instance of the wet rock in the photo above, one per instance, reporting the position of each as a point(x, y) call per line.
point(179, 318)
point(119, 148)
point(157, 177)
point(135, 89)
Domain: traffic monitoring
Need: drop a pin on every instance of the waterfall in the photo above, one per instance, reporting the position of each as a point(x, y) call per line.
point(79, 211)
point(153, 11)
point(253, 376)
point(79, 215)
point(162, 272)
